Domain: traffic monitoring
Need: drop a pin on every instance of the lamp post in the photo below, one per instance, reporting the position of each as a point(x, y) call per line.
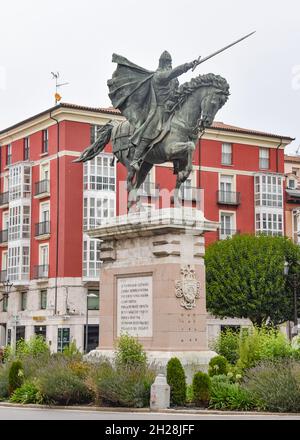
point(7, 285)
point(294, 281)
point(88, 295)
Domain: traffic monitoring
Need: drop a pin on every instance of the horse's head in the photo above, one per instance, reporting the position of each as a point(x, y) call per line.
point(210, 104)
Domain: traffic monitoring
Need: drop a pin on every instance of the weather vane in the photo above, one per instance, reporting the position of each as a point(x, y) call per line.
point(57, 85)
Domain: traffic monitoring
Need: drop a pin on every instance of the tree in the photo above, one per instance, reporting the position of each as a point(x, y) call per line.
point(245, 278)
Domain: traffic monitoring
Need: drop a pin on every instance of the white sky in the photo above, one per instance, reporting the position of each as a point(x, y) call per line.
point(77, 38)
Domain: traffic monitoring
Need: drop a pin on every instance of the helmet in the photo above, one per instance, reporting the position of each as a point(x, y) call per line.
point(164, 58)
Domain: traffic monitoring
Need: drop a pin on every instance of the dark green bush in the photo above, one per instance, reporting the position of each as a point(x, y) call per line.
point(230, 396)
point(27, 393)
point(227, 345)
point(217, 366)
point(16, 376)
point(276, 384)
point(177, 381)
point(201, 389)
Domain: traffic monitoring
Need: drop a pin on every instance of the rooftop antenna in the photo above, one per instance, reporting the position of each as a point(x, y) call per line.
point(55, 75)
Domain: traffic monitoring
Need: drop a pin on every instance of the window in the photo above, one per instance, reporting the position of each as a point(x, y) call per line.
point(20, 333)
point(63, 339)
point(269, 223)
point(26, 148)
point(92, 337)
point(40, 331)
point(93, 300)
point(4, 261)
point(269, 191)
point(291, 184)
point(91, 258)
point(226, 154)
point(44, 212)
point(99, 174)
point(43, 299)
point(18, 263)
point(226, 189)
point(18, 230)
point(44, 172)
point(226, 226)
point(264, 158)
point(96, 209)
point(44, 258)
point(8, 154)
point(186, 190)
point(45, 141)
point(94, 132)
point(19, 182)
point(23, 301)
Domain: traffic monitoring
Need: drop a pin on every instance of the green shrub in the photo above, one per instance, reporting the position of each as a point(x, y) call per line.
point(16, 376)
point(275, 384)
point(177, 381)
point(217, 366)
point(227, 345)
point(129, 352)
point(189, 393)
point(230, 396)
point(262, 344)
point(27, 393)
point(62, 387)
point(4, 372)
point(36, 346)
point(126, 387)
point(71, 351)
point(201, 388)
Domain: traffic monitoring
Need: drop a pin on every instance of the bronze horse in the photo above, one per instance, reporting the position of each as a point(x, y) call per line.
point(197, 103)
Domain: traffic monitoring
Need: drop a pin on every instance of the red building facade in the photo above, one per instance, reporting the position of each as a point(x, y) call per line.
point(47, 204)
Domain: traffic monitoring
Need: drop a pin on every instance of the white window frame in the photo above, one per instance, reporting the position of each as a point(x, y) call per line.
point(41, 247)
point(6, 182)
point(268, 222)
point(44, 167)
point(232, 214)
point(225, 155)
point(4, 259)
point(291, 179)
point(264, 159)
point(44, 207)
point(268, 190)
point(91, 266)
point(5, 220)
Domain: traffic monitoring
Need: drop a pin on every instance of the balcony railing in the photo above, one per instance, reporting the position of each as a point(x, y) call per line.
point(41, 271)
point(42, 228)
point(42, 187)
point(228, 197)
point(3, 276)
point(227, 233)
point(4, 198)
point(148, 189)
point(4, 236)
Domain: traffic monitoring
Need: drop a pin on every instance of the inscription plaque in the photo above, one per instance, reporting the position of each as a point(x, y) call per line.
point(134, 306)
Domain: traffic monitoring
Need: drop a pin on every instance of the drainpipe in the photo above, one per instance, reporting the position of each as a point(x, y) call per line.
point(57, 212)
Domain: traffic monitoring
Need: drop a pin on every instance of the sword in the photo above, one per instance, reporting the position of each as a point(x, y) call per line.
point(221, 50)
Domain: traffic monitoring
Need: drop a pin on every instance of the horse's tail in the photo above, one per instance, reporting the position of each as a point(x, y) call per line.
point(104, 135)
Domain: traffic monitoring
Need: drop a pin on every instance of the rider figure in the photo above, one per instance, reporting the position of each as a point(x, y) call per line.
point(165, 84)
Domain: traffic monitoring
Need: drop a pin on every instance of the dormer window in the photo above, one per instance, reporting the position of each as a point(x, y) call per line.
point(291, 183)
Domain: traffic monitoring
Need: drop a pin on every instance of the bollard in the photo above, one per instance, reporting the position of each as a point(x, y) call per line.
point(160, 394)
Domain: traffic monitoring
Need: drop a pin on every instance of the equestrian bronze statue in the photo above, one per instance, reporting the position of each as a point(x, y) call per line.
point(162, 118)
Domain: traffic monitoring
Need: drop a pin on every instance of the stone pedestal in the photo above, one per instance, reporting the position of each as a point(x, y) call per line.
point(152, 284)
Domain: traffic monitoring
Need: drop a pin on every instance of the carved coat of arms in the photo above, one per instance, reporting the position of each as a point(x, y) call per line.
point(188, 288)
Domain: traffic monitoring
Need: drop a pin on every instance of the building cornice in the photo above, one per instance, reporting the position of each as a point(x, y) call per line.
point(69, 112)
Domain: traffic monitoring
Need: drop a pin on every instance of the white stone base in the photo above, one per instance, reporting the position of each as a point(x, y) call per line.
point(192, 361)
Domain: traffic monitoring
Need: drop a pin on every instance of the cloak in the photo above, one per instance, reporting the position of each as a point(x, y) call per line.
point(131, 91)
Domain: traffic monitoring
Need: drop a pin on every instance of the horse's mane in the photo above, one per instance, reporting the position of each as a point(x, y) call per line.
point(208, 80)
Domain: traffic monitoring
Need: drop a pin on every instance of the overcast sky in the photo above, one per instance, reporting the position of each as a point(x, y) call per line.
point(77, 38)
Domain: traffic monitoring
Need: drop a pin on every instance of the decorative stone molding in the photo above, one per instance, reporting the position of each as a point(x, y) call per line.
point(188, 288)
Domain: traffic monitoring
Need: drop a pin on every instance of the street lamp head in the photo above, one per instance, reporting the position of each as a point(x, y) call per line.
point(7, 287)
